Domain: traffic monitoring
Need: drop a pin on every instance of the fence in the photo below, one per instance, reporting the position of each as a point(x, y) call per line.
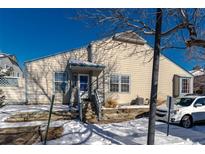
point(8, 82)
point(13, 89)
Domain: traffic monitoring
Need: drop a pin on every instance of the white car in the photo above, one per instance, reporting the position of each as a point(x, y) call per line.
point(187, 111)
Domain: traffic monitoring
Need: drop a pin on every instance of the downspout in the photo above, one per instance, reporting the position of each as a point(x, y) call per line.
point(26, 83)
point(90, 59)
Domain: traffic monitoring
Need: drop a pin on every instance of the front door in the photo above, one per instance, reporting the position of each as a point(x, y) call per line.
point(83, 85)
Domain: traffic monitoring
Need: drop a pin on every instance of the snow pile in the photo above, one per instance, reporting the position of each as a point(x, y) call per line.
point(133, 132)
point(197, 72)
point(76, 62)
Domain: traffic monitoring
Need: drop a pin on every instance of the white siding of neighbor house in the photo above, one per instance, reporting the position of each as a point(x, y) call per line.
point(15, 95)
point(124, 59)
point(16, 69)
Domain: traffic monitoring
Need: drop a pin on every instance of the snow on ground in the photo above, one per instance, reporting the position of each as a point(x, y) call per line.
point(9, 110)
point(130, 133)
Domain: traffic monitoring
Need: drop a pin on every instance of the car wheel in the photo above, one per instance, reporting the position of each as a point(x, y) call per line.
point(186, 121)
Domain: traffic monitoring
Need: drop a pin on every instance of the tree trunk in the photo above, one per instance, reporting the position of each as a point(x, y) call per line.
point(155, 72)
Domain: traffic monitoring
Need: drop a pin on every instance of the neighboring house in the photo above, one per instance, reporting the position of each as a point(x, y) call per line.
point(199, 80)
point(13, 85)
point(120, 67)
point(7, 61)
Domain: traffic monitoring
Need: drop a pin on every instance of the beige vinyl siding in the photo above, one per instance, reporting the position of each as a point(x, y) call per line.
point(43, 70)
point(136, 61)
point(167, 71)
point(119, 58)
point(136, 66)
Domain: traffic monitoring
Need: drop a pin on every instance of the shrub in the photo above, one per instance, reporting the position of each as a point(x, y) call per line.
point(2, 98)
point(111, 103)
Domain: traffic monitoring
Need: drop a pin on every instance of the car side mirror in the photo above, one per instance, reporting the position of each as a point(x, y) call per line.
point(197, 105)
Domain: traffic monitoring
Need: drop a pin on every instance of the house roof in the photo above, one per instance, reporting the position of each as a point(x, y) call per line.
point(55, 54)
point(128, 36)
point(12, 58)
point(79, 66)
point(133, 38)
point(197, 72)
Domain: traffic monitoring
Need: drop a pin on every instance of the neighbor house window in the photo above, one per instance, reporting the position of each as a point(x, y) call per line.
point(7, 67)
point(119, 83)
point(60, 81)
point(185, 85)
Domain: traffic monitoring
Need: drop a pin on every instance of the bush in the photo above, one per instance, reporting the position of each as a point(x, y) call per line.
point(2, 98)
point(111, 103)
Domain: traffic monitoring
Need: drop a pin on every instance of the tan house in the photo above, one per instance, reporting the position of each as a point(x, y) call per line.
point(119, 67)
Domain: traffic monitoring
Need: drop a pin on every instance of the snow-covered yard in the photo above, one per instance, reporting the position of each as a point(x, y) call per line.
point(132, 132)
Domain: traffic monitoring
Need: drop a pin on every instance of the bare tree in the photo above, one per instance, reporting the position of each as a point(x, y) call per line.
point(183, 29)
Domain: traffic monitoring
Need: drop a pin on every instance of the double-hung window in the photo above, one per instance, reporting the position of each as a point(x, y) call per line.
point(119, 83)
point(114, 83)
point(185, 85)
point(60, 82)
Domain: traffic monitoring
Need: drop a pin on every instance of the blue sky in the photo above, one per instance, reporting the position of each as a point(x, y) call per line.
point(33, 33)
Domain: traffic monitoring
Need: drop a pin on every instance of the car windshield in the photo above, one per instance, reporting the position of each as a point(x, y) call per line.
point(185, 101)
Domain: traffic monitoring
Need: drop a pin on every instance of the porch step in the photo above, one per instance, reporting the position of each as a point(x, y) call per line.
point(89, 113)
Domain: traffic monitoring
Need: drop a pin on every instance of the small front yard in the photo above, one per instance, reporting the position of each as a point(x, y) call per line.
point(132, 132)
point(66, 131)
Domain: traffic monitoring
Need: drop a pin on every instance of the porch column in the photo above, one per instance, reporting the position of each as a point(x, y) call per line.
point(90, 85)
point(97, 83)
point(103, 86)
point(90, 59)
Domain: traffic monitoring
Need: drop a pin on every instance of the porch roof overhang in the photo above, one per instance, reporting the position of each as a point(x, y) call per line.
point(78, 66)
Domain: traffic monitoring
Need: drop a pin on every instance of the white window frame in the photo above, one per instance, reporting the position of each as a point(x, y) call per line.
point(181, 86)
point(120, 84)
point(6, 66)
point(54, 81)
point(114, 83)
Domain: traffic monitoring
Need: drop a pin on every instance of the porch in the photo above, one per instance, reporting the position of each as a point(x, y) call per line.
point(85, 77)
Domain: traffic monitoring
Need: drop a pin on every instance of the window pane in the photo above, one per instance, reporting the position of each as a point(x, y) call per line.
point(83, 79)
point(83, 87)
point(114, 79)
point(200, 101)
point(125, 79)
point(114, 87)
point(124, 87)
point(60, 86)
point(57, 87)
point(60, 77)
point(185, 85)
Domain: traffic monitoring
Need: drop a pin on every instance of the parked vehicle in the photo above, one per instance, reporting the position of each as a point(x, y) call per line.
point(187, 111)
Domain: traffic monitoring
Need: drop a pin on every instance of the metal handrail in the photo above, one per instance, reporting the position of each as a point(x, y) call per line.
point(98, 104)
point(80, 105)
